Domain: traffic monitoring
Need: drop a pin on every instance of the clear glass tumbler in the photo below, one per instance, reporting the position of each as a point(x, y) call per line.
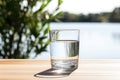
point(64, 49)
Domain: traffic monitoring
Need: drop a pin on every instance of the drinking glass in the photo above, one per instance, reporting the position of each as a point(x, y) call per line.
point(64, 49)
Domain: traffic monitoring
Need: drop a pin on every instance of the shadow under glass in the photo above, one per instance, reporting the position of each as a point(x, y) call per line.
point(53, 73)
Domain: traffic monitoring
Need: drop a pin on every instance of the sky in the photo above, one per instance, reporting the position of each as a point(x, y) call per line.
point(87, 6)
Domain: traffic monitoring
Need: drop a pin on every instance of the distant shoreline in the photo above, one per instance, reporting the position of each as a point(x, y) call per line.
point(113, 16)
point(88, 22)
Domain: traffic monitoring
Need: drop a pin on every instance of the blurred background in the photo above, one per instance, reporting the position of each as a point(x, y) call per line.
point(25, 24)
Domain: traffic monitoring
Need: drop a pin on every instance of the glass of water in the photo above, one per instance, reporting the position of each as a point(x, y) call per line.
point(64, 49)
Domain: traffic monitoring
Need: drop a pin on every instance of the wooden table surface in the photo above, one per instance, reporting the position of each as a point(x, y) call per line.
point(24, 69)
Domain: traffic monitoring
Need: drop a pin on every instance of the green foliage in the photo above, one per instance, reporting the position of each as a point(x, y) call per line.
point(113, 16)
point(24, 29)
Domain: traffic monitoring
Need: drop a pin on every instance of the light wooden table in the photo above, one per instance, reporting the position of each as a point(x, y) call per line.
point(16, 69)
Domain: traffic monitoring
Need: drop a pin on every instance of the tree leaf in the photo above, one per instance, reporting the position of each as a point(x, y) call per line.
point(42, 38)
point(47, 29)
point(60, 2)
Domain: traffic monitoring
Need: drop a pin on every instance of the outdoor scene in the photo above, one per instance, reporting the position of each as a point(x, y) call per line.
point(24, 27)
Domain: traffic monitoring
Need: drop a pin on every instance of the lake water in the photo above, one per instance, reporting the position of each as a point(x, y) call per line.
point(97, 40)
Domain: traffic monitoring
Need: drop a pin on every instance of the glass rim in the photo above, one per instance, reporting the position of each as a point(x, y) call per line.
point(65, 30)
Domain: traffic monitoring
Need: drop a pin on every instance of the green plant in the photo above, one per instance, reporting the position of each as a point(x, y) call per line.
point(24, 30)
point(115, 15)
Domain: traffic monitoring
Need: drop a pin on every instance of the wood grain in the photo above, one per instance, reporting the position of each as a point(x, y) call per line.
point(25, 69)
